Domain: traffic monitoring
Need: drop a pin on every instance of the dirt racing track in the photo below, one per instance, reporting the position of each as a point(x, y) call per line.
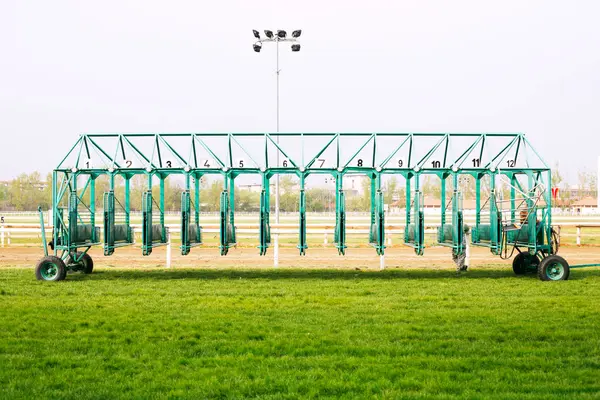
point(317, 257)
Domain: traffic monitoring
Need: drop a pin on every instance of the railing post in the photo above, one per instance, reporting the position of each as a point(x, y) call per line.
point(168, 247)
point(579, 236)
point(467, 248)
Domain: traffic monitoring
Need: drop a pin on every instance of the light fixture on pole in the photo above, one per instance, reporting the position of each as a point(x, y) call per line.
point(281, 36)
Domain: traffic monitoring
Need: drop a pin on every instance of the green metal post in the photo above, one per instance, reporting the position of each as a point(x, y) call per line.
point(109, 222)
point(408, 207)
point(531, 214)
point(162, 208)
point(147, 219)
point(197, 208)
point(475, 235)
point(232, 208)
point(478, 201)
point(73, 205)
point(457, 219)
point(495, 234)
point(302, 246)
point(93, 208)
point(264, 234)
point(380, 218)
point(185, 217)
point(268, 209)
point(373, 209)
point(513, 199)
point(108, 206)
point(127, 204)
point(340, 209)
point(419, 219)
point(443, 200)
point(147, 230)
point(223, 244)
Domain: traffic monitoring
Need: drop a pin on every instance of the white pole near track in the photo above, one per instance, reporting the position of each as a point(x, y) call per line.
point(276, 249)
point(280, 36)
point(381, 262)
point(168, 249)
point(467, 249)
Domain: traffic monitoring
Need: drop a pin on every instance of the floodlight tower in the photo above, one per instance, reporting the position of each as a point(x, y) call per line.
point(280, 36)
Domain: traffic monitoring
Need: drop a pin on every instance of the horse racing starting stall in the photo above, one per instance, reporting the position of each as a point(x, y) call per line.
point(508, 179)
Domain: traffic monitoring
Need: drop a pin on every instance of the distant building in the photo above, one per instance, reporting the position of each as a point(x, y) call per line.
point(257, 187)
point(353, 185)
point(253, 187)
point(585, 205)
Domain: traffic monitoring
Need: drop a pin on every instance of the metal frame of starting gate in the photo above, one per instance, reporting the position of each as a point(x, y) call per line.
point(523, 222)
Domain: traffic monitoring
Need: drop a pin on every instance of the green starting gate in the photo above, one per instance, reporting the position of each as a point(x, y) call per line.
point(513, 214)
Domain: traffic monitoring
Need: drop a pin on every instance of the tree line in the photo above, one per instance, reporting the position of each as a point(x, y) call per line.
point(28, 191)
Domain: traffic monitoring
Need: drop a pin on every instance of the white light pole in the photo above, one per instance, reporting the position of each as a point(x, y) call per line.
point(281, 36)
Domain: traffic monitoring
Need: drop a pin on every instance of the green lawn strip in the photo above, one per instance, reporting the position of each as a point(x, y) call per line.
point(299, 333)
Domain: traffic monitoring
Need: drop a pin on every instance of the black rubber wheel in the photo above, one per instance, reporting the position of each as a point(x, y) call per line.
point(51, 268)
point(86, 265)
point(553, 268)
point(524, 263)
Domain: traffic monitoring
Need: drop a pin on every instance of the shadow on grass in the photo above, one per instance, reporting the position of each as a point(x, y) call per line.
point(317, 274)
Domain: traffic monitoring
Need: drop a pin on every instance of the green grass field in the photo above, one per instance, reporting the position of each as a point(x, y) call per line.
point(299, 333)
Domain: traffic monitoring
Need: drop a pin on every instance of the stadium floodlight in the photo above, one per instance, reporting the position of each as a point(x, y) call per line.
point(295, 47)
point(297, 33)
point(269, 34)
point(257, 46)
point(256, 34)
point(281, 34)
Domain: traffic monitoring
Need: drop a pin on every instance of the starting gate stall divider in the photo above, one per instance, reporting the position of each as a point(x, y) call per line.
point(452, 235)
point(339, 237)
point(191, 232)
point(524, 225)
point(377, 229)
point(489, 233)
point(153, 235)
point(302, 246)
point(227, 224)
point(414, 231)
point(264, 223)
point(117, 228)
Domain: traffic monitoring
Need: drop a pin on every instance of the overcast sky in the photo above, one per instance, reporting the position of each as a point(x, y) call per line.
point(69, 67)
